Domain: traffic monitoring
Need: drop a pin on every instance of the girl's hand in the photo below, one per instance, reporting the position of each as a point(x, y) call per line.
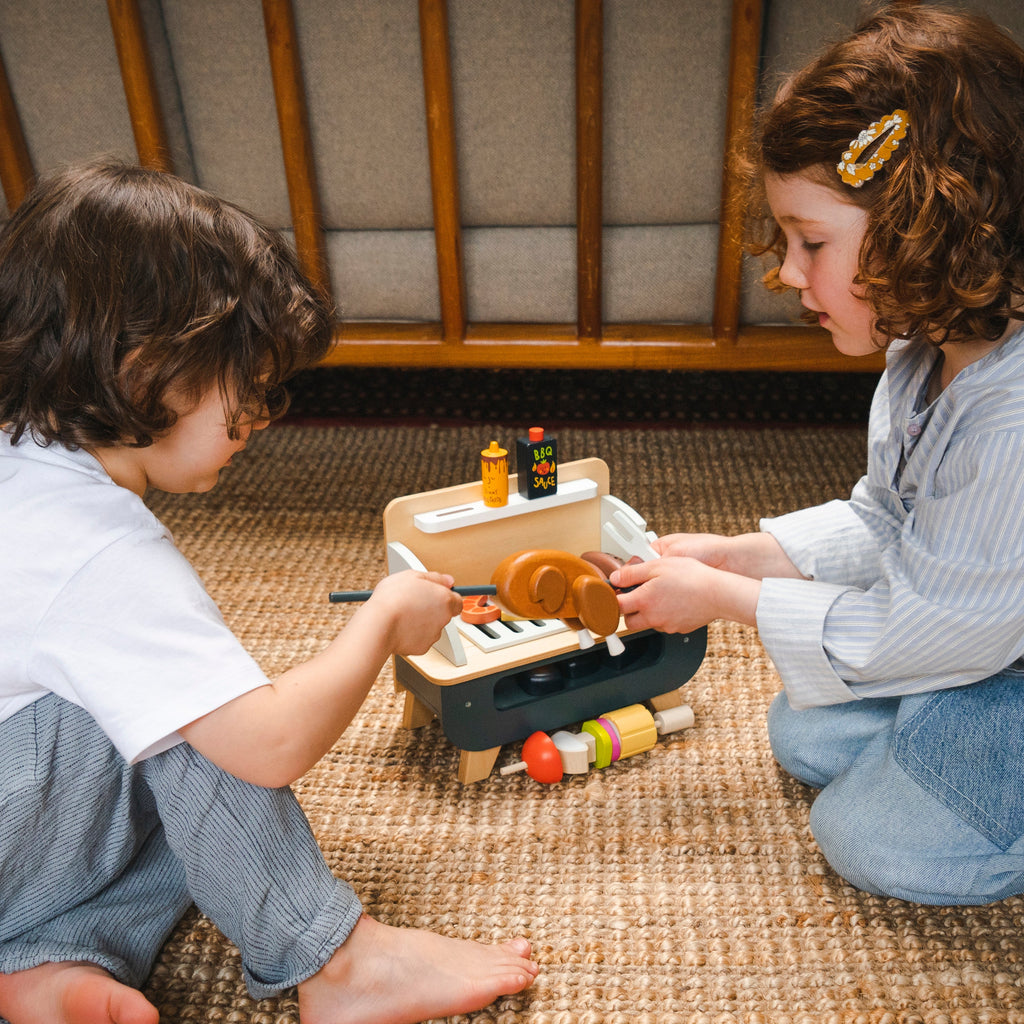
point(757, 555)
point(417, 606)
point(709, 548)
point(680, 594)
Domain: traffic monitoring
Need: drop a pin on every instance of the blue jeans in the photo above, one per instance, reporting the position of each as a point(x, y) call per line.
point(922, 797)
point(99, 859)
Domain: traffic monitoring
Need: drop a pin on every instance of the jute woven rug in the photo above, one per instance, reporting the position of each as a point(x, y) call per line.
point(681, 886)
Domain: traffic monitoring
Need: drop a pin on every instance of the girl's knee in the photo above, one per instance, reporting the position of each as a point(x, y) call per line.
point(817, 745)
point(790, 743)
point(860, 855)
point(849, 843)
point(779, 734)
point(947, 864)
point(866, 848)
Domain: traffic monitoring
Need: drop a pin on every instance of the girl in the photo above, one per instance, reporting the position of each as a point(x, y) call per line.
point(145, 328)
point(891, 166)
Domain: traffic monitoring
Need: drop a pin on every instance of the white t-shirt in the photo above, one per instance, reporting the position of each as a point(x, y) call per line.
point(101, 608)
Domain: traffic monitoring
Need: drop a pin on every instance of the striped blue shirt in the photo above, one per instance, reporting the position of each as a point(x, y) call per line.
point(917, 581)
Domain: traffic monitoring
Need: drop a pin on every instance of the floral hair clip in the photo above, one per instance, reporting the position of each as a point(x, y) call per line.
point(890, 129)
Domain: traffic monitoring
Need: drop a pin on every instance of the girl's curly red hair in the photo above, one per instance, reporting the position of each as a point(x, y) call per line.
point(943, 253)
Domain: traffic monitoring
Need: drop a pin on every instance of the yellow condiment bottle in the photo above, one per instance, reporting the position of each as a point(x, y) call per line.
point(494, 470)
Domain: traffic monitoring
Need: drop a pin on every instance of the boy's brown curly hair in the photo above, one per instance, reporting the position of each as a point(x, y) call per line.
point(121, 287)
point(943, 252)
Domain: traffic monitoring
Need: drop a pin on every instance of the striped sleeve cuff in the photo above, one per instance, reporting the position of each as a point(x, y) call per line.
point(828, 542)
point(791, 621)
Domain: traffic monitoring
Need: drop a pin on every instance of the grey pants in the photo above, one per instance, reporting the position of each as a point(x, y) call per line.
point(99, 859)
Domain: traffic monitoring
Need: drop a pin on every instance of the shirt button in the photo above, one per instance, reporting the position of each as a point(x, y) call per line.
point(914, 429)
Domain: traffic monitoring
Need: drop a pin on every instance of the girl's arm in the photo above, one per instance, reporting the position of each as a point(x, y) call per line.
point(757, 555)
point(944, 606)
point(700, 577)
point(272, 735)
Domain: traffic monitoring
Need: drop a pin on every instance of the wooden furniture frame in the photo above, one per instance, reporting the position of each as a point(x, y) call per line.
point(723, 344)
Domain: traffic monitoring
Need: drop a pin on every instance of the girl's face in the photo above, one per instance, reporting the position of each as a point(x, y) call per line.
point(823, 240)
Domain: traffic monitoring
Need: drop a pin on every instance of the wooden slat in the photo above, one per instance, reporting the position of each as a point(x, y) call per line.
point(16, 173)
point(744, 55)
point(589, 166)
point(296, 140)
point(624, 346)
point(139, 85)
point(444, 179)
point(588, 343)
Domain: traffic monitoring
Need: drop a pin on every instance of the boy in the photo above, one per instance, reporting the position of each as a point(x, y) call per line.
point(145, 329)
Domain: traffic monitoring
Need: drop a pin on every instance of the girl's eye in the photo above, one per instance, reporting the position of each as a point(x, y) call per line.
point(812, 246)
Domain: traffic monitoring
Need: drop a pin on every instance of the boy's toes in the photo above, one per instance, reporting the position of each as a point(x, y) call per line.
point(518, 947)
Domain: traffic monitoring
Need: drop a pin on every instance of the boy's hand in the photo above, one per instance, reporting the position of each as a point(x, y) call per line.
point(418, 605)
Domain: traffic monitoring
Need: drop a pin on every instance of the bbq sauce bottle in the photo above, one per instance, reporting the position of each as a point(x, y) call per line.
point(536, 464)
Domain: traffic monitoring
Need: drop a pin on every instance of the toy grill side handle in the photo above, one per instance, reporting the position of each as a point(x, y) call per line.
point(624, 531)
point(449, 645)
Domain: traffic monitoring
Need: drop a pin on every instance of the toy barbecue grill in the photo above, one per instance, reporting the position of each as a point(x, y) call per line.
point(494, 683)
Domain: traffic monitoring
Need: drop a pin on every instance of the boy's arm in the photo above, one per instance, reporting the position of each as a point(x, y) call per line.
point(272, 735)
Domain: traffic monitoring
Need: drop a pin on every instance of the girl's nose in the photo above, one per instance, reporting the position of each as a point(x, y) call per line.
point(791, 274)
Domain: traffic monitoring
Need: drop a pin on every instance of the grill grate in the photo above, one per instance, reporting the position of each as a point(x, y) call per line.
point(503, 633)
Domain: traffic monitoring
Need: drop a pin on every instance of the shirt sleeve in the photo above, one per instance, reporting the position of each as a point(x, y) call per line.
point(830, 543)
point(791, 622)
point(947, 605)
point(136, 641)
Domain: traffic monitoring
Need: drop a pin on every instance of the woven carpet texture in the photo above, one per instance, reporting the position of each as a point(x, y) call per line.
point(680, 886)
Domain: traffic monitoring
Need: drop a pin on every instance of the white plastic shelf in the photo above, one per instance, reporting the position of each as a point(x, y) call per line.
point(454, 518)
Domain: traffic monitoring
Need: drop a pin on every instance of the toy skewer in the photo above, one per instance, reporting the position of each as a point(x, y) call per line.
point(339, 596)
point(541, 760)
point(613, 736)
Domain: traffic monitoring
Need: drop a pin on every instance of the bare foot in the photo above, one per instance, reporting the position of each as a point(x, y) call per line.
point(385, 975)
point(72, 993)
